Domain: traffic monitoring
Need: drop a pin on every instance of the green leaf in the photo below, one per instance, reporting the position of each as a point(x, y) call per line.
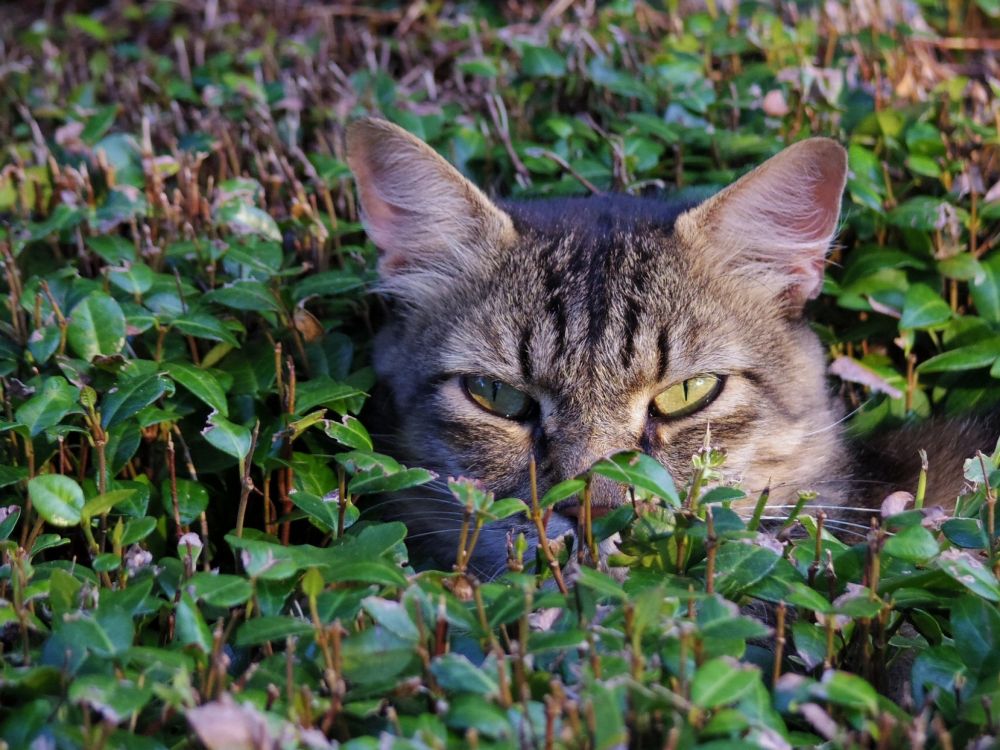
point(975, 626)
point(641, 471)
point(467, 712)
point(99, 124)
point(12, 475)
point(506, 508)
point(201, 383)
point(482, 67)
point(739, 566)
point(985, 290)
point(228, 437)
point(939, 669)
point(136, 278)
point(56, 498)
point(366, 484)
point(271, 628)
point(192, 499)
point(219, 590)
point(101, 504)
point(810, 643)
point(116, 699)
point(923, 308)
point(601, 583)
point(190, 627)
point(913, 544)
point(55, 400)
point(324, 391)
point(241, 218)
point(965, 569)
point(348, 432)
point(964, 532)
point(849, 690)
point(203, 326)
point(392, 616)
point(722, 681)
point(323, 511)
point(456, 674)
point(922, 212)
point(327, 284)
point(113, 249)
point(96, 327)
point(923, 165)
point(9, 516)
point(539, 62)
point(971, 357)
point(244, 295)
point(138, 529)
point(88, 25)
point(130, 395)
point(963, 267)
point(890, 121)
point(563, 491)
point(259, 257)
point(990, 7)
point(106, 562)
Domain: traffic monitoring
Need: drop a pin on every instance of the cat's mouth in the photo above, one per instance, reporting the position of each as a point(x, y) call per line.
point(573, 509)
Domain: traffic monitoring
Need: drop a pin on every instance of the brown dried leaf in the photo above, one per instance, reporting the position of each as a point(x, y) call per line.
point(853, 371)
point(895, 502)
point(225, 725)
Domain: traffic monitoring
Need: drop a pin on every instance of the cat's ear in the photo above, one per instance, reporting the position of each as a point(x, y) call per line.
point(776, 223)
point(417, 208)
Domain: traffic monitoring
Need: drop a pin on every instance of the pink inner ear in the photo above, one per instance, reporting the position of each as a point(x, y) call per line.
point(826, 192)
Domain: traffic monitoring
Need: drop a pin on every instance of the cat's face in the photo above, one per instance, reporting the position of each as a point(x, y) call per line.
point(568, 330)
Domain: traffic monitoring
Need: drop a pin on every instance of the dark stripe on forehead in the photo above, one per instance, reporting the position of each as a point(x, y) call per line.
point(631, 328)
point(662, 353)
point(524, 353)
point(555, 307)
point(598, 271)
point(635, 295)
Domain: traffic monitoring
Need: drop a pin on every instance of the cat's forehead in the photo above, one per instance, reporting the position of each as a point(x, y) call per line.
point(595, 217)
point(611, 298)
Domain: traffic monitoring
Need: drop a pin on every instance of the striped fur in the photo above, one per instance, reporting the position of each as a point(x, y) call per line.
point(593, 307)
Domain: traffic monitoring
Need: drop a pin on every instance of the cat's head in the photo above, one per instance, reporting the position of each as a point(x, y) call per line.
point(570, 329)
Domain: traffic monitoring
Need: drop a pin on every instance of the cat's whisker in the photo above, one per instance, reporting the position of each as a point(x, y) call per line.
point(839, 421)
point(845, 535)
point(822, 482)
point(837, 508)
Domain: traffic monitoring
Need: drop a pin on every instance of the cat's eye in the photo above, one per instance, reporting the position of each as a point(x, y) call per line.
point(687, 397)
point(498, 397)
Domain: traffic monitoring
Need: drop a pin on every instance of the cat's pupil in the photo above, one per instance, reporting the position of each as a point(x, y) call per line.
point(687, 397)
point(498, 397)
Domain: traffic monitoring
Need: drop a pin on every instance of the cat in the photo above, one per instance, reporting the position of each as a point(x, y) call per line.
point(568, 329)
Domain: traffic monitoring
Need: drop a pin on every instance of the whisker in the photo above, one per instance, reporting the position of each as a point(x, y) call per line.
point(810, 506)
point(839, 421)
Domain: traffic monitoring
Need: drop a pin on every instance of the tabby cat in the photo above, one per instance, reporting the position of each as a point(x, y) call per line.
point(569, 329)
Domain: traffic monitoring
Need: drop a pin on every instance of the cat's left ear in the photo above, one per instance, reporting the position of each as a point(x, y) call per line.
point(776, 223)
point(419, 210)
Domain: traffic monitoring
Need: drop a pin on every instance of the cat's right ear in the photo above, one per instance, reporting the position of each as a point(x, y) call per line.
point(420, 212)
point(775, 224)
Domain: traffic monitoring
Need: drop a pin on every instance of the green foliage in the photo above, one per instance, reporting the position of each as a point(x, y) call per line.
point(184, 363)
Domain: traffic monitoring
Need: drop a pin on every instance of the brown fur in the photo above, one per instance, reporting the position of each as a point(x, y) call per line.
point(592, 307)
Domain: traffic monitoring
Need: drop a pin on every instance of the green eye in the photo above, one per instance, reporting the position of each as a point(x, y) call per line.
point(497, 397)
point(682, 399)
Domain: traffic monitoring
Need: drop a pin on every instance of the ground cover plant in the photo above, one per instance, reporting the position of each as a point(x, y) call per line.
point(183, 362)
